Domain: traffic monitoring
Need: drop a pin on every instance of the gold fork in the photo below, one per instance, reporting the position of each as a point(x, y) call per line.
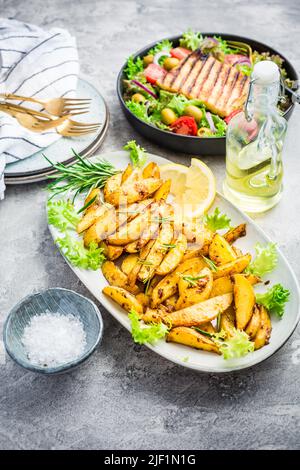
point(23, 109)
point(65, 126)
point(55, 106)
point(242, 47)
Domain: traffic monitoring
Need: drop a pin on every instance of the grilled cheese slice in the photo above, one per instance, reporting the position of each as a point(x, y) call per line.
point(221, 87)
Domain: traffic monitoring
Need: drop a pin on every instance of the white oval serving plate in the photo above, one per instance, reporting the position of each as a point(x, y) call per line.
point(183, 355)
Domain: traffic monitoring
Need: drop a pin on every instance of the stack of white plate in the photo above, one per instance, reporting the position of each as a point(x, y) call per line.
point(36, 168)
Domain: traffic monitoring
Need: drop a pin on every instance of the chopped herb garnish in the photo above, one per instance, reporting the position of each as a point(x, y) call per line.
point(192, 280)
point(211, 264)
point(88, 204)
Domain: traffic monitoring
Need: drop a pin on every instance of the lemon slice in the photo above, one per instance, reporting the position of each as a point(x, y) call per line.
point(194, 188)
point(177, 174)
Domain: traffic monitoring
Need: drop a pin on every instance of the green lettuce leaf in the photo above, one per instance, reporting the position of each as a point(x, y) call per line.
point(74, 250)
point(137, 154)
point(140, 110)
point(236, 346)
point(142, 333)
point(274, 299)
point(133, 67)
point(191, 40)
point(164, 45)
point(265, 261)
point(62, 214)
point(217, 220)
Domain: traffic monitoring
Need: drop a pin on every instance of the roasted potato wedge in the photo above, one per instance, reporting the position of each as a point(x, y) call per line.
point(133, 230)
point(103, 226)
point(124, 298)
point(264, 332)
point(220, 251)
point(152, 284)
point(238, 253)
point(151, 171)
point(254, 323)
point(200, 313)
point(150, 233)
point(116, 277)
point(126, 173)
point(153, 316)
point(192, 338)
point(170, 303)
point(90, 217)
point(94, 193)
point(234, 233)
point(167, 286)
point(143, 299)
point(194, 270)
point(195, 294)
point(137, 190)
point(173, 256)
point(156, 253)
point(111, 189)
point(244, 299)
point(236, 266)
point(227, 321)
point(111, 252)
point(208, 327)
point(129, 263)
point(132, 277)
point(224, 285)
point(163, 192)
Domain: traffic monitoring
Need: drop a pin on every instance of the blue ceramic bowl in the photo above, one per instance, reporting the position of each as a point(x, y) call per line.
point(56, 300)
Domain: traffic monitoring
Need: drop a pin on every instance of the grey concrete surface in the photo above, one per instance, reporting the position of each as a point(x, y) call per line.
point(127, 397)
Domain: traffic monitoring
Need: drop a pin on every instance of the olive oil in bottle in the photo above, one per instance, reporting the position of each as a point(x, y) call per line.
point(254, 144)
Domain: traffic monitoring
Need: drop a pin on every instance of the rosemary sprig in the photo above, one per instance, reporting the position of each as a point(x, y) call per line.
point(192, 280)
point(211, 264)
point(80, 177)
point(147, 284)
point(88, 204)
point(145, 262)
point(167, 246)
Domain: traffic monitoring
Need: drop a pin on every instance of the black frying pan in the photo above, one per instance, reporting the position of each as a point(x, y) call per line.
point(190, 144)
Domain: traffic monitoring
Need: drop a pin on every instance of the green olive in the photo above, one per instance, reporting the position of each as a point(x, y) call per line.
point(204, 131)
point(194, 112)
point(138, 98)
point(170, 63)
point(148, 59)
point(168, 116)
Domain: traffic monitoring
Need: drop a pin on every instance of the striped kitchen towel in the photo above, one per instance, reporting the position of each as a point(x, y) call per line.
point(35, 63)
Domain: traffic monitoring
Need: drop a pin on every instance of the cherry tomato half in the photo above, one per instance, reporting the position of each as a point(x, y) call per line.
point(185, 125)
point(154, 72)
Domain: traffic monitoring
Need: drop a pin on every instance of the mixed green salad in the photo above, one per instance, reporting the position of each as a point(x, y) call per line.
point(174, 112)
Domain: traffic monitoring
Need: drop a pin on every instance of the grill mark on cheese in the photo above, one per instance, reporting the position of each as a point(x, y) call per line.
point(184, 72)
point(199, 68)
point(221, 87)
point(205, 78)
point(177, 70)
point(223, 97)
point(201, 77)
point(184, 86)
point(228, 96)
point(237, 92)
point(212, 80)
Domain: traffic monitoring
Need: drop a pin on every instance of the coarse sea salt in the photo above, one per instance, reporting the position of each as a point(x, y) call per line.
point(52, 339)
